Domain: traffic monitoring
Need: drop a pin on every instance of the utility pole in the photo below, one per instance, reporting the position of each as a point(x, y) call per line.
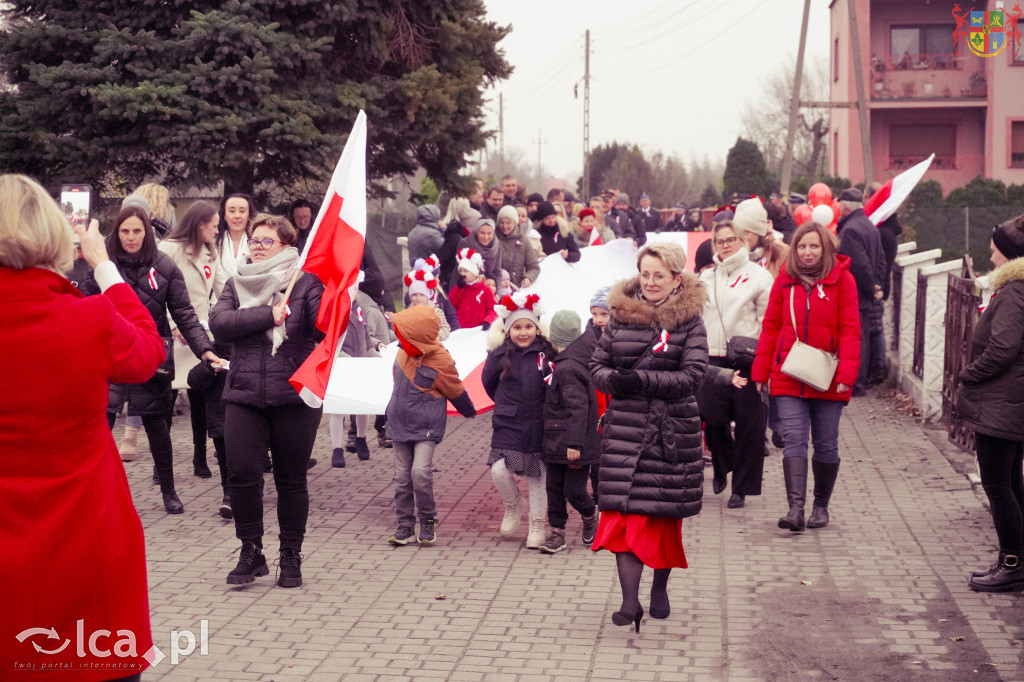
point(586, 118)
point(862, 104)
point(794, 105)
point(539, 142)
point(501, 128)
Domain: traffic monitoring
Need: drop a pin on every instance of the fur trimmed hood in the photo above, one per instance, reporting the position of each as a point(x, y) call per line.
point(682, 306)
point(1011, 271)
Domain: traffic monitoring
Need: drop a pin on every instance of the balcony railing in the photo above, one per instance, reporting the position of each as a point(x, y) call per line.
point(927, 76)
point(940, 163)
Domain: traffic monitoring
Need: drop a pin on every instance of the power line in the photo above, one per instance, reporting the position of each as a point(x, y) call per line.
point(629, 36)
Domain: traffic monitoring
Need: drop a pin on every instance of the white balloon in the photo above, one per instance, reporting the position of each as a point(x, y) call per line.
point(822, 215)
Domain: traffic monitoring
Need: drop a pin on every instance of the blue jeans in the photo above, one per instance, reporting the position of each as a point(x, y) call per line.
point(414, 480)
point(818, 418)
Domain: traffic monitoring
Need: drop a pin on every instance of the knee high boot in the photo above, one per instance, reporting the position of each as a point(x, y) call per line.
point(824, 481)
point(163, 458)
point(795, 471)
point(197, 410)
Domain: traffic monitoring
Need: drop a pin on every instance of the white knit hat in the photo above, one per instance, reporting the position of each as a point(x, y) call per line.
point(751, 217)
point(468, 259)
point(421, 282)
point(519, 306)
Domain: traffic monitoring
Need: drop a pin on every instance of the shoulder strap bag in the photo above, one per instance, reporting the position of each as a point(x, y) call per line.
point(808, 364)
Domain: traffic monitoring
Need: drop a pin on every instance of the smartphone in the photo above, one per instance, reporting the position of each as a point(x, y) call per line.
point(76, 202)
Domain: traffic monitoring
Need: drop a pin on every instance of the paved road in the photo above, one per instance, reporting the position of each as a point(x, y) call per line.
point(880, 594)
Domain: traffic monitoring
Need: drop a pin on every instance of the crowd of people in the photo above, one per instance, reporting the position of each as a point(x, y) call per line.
point(773, 329)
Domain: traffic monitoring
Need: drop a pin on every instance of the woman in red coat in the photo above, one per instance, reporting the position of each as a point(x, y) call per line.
point(74, 566)
point(824, 296)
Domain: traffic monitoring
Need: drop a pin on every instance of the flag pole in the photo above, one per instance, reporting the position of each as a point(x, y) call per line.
point(291, 285)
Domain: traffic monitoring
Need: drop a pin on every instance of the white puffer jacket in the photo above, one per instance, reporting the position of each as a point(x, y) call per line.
point(738, 293)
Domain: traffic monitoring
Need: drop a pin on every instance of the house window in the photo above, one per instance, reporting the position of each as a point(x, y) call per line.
point(1017, 144)
point(835, 60)
point(922, 46)
point(912, 143)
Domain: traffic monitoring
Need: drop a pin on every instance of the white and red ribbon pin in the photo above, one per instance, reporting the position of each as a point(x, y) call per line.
point(739, 280)
point(207, 271)
point(662, 345)
point(152, 278)
point(821, 292)
point(359, 314)
point(540, 368)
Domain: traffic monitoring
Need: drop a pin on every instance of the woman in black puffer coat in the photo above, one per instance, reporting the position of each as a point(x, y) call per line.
point(652, 358)
point(270, 338)
point(161, 287)
point(992, 403)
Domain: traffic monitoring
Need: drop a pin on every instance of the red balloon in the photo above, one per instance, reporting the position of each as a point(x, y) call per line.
point(802, 214)
point(818, 194)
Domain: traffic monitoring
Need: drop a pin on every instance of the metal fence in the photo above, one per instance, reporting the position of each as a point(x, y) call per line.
point(962, 305)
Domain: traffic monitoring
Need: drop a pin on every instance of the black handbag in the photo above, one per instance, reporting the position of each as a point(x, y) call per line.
point(167, 369)
point(740, 352)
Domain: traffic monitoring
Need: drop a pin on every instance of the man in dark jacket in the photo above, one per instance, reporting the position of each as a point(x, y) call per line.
point(889, 233)
point(782, 222)
point(624, 221)
point(859, 240)
point(494, 199)
point(571, 439)
point(649, 218)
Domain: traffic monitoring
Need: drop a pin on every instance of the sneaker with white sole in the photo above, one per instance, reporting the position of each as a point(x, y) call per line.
point(427, 531)
point(402, 536)
point(555, 541)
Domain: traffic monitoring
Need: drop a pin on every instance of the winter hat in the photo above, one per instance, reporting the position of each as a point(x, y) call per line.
point(468, 259)
point(136, 200)
point(519, 306)
point(431, 263)
point(534, 197)
point(622, 197)
point(680, 206)
point(509, 212)
point(645, 195)
point(569, 197)
point(600, 298)
point(705, 255)
point(722, 216)
point(795, 198)
point(544, 209)
point(585, 212)
point(421, 282)
point(751, 217)
point(1009, 237)
point(565, 328)
point(852, 194)
point(468, 217)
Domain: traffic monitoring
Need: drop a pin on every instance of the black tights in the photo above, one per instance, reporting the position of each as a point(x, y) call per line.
point(159, 435)
point(630, 570)
point(1001, 462)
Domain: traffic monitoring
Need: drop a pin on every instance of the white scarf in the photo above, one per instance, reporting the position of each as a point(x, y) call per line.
point(264, 283)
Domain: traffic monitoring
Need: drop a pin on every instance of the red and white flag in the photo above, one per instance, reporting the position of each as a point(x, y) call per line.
point(891, 196)
point(333, 253)
point(595, 236)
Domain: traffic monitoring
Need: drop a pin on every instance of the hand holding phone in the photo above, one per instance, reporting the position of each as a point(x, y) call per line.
point(94, 248)
point(76, 202)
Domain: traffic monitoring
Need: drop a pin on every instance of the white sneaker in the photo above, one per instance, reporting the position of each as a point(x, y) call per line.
point(130, 444)
point(535, 538)
point(513, 516)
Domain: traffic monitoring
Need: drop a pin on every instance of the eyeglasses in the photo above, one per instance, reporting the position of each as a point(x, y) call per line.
point(728, 241)
point(265, 243)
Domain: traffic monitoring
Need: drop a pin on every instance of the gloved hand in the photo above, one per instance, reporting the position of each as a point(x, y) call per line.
point(464, 404)
point(485, 326)
point(625, 384)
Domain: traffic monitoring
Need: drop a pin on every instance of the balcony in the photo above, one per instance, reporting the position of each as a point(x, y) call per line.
point(927, 77)
point(945, 162)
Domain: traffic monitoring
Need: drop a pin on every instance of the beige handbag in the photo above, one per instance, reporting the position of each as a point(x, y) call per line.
point(808, 364)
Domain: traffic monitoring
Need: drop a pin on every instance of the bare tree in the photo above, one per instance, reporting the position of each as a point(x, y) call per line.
point(767, 118)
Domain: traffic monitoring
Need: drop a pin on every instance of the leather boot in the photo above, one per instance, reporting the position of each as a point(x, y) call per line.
point(825, 474)
point(130, 443)
point(1008, 577)
point(985, 571)
point(795, 471)
point(199, 466)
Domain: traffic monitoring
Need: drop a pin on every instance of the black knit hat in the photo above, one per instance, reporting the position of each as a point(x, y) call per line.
point(544, 209)
point(705, 255)
point(1009, 237)
point(534, 197)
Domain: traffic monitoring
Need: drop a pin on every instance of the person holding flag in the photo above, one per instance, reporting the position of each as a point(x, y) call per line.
point(271, 331)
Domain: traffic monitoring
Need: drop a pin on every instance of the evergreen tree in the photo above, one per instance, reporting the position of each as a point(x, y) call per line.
point(745, 170)
point(258, 93)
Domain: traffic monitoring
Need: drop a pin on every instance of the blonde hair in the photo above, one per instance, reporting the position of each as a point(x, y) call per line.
point(286, 232)
point(33, 230)
point(158, 197)
point(455, 207)
point(671, 256)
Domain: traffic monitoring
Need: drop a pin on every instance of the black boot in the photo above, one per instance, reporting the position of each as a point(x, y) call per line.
point(795, 471)
point(289, 566)
point(197, 414)
point(1007, 577)
point(990, 569)
point(338, 458)
point(199, 466)
point(362, 449)
point(824, 481)
point(171, 502)
point(251, 564)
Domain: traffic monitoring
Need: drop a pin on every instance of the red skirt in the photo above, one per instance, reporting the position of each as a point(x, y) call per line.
point(655, 540)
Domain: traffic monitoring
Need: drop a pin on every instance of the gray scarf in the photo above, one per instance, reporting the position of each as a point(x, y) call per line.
point(264, 283)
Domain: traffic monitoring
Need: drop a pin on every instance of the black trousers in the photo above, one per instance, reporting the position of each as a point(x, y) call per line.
point(158, 433)
point(1000, 464)
point(566, 483)
point(289, 432)
point(197, 408)
point(741, 455)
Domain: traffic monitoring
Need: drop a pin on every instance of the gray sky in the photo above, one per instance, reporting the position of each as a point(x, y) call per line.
point(668, 75)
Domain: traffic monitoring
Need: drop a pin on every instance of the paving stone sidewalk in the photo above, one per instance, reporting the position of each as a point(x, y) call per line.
point(881, 593)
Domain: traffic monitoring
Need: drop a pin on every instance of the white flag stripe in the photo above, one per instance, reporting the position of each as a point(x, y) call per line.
point(902, 185)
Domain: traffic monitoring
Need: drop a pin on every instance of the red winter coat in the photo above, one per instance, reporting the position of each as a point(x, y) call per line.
point(73, 547)
point(833, 325)
point(473, 303)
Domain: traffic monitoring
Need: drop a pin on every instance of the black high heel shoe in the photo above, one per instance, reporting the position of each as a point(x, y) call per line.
point(619, 618)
